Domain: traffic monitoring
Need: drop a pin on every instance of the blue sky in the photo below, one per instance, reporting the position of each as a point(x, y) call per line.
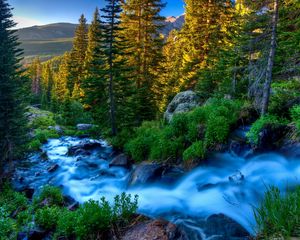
point(38, 12)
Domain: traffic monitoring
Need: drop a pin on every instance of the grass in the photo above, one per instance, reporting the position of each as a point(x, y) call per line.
point(279, 214)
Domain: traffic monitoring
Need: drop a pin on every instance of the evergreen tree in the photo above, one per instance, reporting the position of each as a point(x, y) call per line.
point(35, 74)
point(94, 83)
point(47, 84)
point(12, 133)
point(78, 55)
point(206, 31)
point(141, 22)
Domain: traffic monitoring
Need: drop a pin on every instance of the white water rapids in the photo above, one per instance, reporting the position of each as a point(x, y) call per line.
point(204, 191)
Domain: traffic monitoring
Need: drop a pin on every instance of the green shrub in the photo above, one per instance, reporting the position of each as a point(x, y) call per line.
point(53, 195)
point(253, 134)
point(43, 135)
point(124, 207)
point(34, 145)
point(12, 201)
point(279, 213)
point(122, 138)
point(43, 122)
point(8, 227)
point(217, 130)
point(93, 217)
point(179, 124)
point(196, 150)
point(283, 92)
point(47, 217)
point(295, 113)
point(66, 223)
point(139, 147)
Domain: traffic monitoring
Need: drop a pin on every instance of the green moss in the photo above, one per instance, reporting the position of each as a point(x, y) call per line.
point(279, 213)
point(44, 134)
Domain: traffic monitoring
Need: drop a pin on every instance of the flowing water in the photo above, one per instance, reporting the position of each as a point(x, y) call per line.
point(228, 184)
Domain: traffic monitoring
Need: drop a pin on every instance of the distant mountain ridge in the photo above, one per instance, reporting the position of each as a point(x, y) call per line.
point(54, 39)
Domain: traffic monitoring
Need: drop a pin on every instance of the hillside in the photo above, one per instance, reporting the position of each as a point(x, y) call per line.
point(54, 39)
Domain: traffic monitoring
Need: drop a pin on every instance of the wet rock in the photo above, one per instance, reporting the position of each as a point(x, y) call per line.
point(84, 127)
point(221, 227)
point(290, 149)
point(57, 129)
point(182, 102)
point(84, 148)
point(120, 161)
point(35, 234)
point(237, 178)
point(70, 203)
point(171, 174)
point(52, 168)
point(154, 229)
point(146, 173)
point(271, 137)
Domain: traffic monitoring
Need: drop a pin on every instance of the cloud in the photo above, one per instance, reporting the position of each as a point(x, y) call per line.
point(23, 22)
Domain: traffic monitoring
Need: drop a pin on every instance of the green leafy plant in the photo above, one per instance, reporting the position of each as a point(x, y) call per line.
point(8, 227)
point(51, 194)
point(47, 217)
point(295, 113)
point(196, 150)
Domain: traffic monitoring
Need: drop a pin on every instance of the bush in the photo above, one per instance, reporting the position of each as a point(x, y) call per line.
point(43, 122)
point(279, 213)
point(42, 135)
point(124, 207)
point(8, 227)
point(139, 147)
point(12, 201)
point(295, 113)
point(52, 194)
point(256, 128)
point(209, 124)
point(34, 145)
point(66, 223)
point(47, 217)
point(196, 150)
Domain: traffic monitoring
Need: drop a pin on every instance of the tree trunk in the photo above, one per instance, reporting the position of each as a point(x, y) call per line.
point(268, 81)
point(111, 89)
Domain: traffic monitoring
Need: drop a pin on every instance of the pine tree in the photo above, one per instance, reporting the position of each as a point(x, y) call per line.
point(205, 32)
point(35, 74)
point(60, 89)
point(78, 54)
point(47, 84)
point(141, 22)
point(94, 83)
point(12, 132)
point(111, 16)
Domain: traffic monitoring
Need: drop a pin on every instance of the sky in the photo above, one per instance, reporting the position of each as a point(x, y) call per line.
point(38, 12)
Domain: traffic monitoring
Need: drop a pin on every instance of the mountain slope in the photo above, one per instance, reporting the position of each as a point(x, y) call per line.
point(54, 39)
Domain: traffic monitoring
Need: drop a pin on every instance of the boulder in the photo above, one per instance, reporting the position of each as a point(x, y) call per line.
point(221, 227)
point(146, 173)
point(120, 161)
point(57, 129)
point(154, 229)
point(270, 137)
point(84, 127)
point(84, 148)
point(182, 102)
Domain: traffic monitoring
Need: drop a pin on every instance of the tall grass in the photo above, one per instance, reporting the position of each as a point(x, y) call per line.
point(279, 213)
